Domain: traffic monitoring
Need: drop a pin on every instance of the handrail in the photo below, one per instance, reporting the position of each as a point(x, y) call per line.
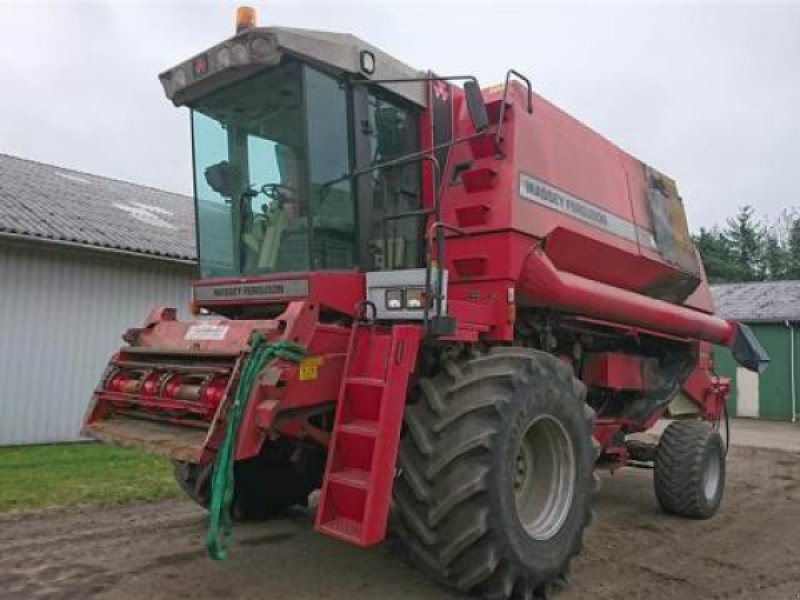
point(498, 132)
point(437, 176)
point(437, 227)
point(429, 77)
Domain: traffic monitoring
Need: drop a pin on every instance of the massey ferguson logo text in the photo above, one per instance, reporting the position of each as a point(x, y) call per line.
point(531, 187)
point(256, 290)
point(253, 290)
point(537, 191)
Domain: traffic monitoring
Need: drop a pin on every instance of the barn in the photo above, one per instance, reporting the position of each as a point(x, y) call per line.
point(772, 309)
point(82, 258)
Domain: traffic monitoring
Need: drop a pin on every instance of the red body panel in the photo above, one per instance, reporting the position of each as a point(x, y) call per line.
point(614, 370)
point(568, 156)
point(161, 347)
point(544, 285)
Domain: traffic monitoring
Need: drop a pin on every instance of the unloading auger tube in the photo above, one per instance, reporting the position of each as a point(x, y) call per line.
point(541, 282)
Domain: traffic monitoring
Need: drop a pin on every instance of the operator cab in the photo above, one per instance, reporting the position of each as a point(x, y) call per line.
point(278, 129)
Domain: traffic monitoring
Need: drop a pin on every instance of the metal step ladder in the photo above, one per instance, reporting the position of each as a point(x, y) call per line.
point(357, 489)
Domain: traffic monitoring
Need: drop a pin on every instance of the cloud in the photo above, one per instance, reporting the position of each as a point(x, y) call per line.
point(706, 92)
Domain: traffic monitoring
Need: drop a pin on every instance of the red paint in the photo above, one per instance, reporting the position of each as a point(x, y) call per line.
point(613, 370)
point(357, 489)
point(705, 389)
point(543, 285)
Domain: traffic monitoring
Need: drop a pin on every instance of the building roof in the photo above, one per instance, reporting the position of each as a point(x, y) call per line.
point(763, 301)
point(50, 203)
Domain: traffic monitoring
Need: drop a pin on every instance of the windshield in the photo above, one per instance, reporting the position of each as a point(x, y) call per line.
point(263, 152)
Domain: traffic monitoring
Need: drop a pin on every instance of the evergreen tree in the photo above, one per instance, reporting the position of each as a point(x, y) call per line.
point(715, 251)
point(775, 266)
point(745, 236)
point(748, 250)
point(793, 250)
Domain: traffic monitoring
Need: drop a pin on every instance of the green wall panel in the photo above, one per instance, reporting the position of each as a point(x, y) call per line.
point(775, 391)
point(775, 394)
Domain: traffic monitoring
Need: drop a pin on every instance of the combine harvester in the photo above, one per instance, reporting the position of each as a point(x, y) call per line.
point(424, 299)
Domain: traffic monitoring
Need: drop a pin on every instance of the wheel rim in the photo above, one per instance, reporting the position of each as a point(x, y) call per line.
point(544, 478)
point(711, 476)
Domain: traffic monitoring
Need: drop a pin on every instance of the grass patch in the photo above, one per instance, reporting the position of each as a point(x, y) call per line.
point(61, 475)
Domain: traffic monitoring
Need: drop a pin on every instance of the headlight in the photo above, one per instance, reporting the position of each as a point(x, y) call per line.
point(405, 298)
point(179, 78)
point(224, 58)
point(251, 49)
point(394, 299)
point(415, 298)
point(239, 54)
point(260, 48)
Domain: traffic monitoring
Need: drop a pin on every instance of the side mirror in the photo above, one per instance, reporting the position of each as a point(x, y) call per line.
point(476, 106)
point(223, 178)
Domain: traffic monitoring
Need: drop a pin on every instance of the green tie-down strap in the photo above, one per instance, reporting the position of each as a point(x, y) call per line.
point(220, 525)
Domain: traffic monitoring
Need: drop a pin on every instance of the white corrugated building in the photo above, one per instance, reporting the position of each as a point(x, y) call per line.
point(82, 258)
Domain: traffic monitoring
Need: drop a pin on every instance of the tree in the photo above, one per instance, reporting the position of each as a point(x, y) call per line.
point(745, 236)
point(747, 249)
point(716, 255)
point(775, 265)
point(793, 250)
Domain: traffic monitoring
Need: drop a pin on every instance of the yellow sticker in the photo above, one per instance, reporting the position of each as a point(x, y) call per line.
point(309, 368)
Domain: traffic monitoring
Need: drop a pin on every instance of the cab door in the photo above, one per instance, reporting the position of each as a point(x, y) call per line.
point(389, 198)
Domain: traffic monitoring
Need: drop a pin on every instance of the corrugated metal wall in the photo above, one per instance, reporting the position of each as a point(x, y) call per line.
point(61, 316)
point(768, 396)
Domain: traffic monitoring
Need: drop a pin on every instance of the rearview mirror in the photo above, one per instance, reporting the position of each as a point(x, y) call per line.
point(476, 106)
point(223, 178)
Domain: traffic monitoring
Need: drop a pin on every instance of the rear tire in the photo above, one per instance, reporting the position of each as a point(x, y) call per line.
point(467, 507)
point(689, 477)
point(266, 485)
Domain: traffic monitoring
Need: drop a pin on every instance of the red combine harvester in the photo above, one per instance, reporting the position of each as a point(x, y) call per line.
point(423, 299)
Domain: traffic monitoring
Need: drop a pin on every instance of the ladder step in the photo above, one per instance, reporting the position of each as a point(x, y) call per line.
point(477, 180)
point(357, 488)
point(360, 427)
point(343, 528)
point(357, 478)
point(366, 381)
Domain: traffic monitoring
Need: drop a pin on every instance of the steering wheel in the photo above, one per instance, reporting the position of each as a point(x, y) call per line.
point(274, 191)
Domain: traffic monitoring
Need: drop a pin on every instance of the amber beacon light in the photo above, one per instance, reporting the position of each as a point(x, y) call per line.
point(245, 18)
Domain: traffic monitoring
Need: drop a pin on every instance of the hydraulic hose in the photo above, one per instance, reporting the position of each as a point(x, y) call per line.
point(220, 525)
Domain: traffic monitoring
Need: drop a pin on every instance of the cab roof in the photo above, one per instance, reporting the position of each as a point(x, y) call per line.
point(258, 48)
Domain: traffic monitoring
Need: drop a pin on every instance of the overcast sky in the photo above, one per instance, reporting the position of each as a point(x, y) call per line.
point(707, 92)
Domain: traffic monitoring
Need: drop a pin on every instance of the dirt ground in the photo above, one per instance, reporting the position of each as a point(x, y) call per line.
point(750, 550)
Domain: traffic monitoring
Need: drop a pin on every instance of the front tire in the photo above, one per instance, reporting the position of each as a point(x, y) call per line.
point(194, 482)
point(689, 477)
point(281, 476)
point(496, 473)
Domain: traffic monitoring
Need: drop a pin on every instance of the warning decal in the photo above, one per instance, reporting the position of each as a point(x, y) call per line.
point(206, 332)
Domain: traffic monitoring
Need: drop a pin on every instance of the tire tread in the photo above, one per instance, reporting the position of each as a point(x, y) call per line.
point(680, 461)
point(443, 518)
